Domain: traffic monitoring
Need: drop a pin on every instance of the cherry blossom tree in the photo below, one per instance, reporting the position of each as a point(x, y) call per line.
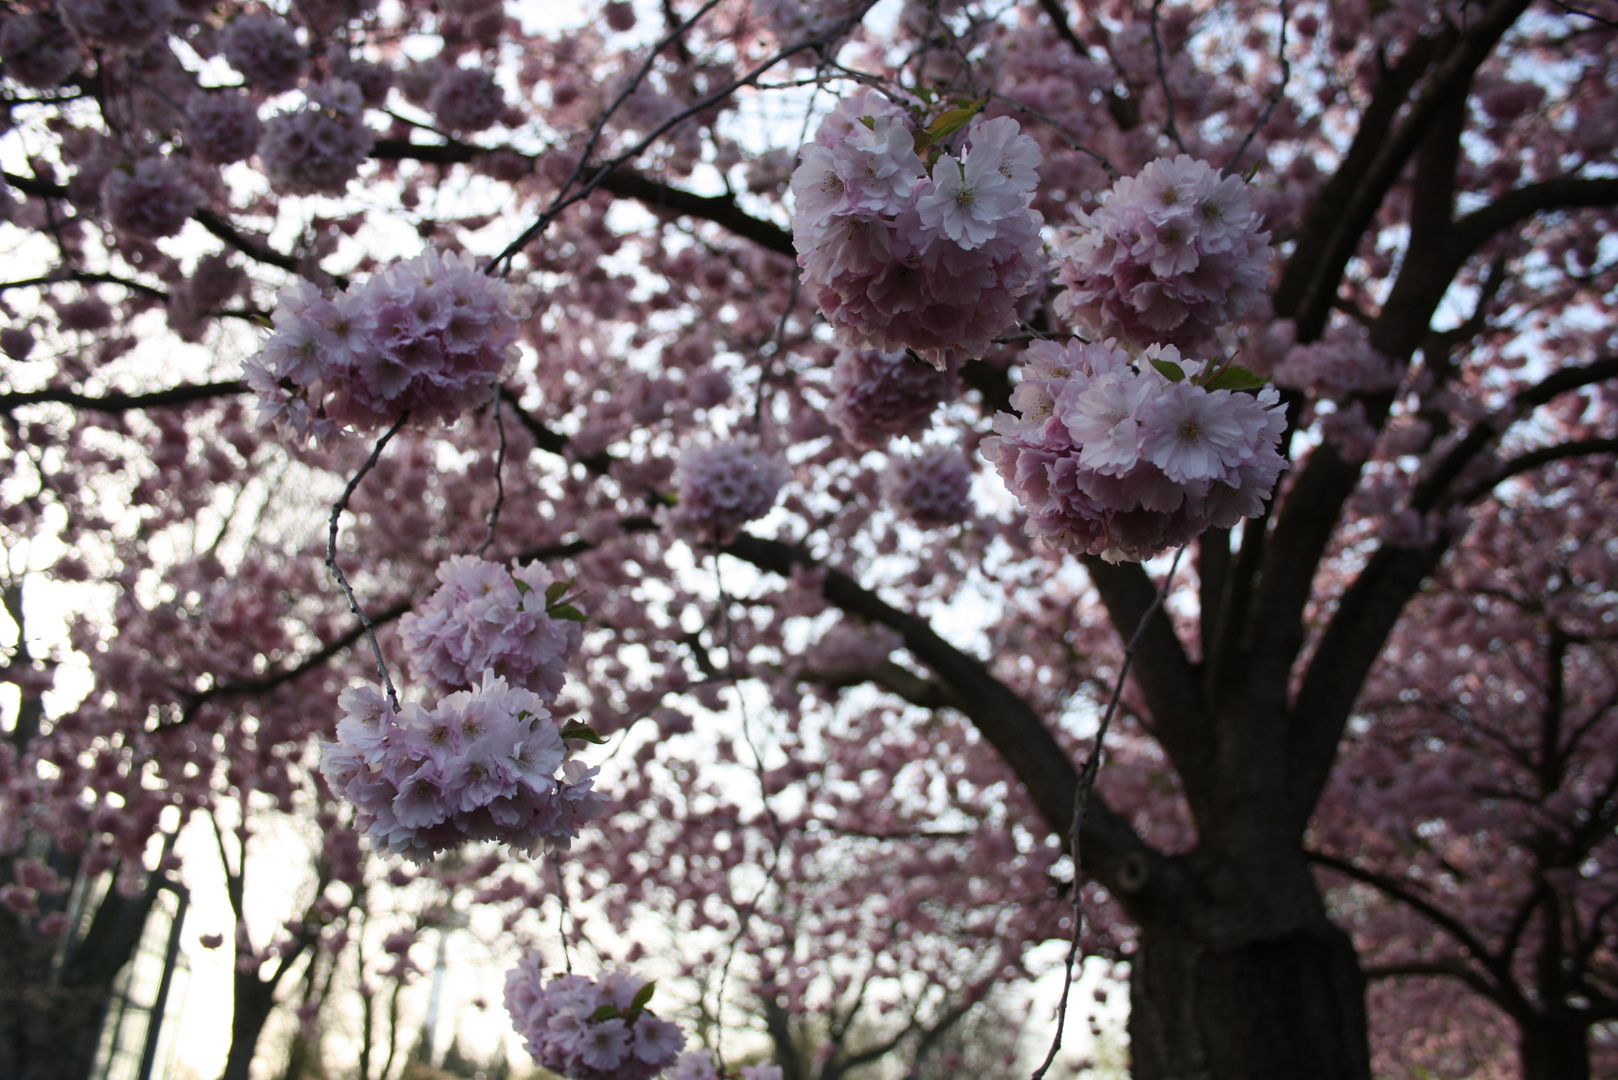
point(791, 399)
point(1492, 867)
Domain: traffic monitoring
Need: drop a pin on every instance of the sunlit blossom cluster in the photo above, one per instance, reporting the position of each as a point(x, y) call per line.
point(899, 257)
point(429, 336)
point(483, 764)
point(1119, 461)
point(318, 147)
point(722, 487)
point(933, 489)
point(878, 395)
point(1170, 255)
point(589, 1029)
point(486, 618)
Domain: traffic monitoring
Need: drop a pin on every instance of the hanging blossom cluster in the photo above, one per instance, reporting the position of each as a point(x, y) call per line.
point(484, 618)
point(484, 764)
point(590, 1029)
point(430, 336)
point(878, 395)
point(222, 126)
point(902, 257)
point(932, 489)
point(722, 487)
point(152, 198)
point(317, 148)
point(1123, 462)
point(1169, 256)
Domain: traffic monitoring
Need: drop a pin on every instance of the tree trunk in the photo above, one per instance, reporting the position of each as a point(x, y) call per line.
point(1284, 1008)
point(1554, 1047)
point(255, 999)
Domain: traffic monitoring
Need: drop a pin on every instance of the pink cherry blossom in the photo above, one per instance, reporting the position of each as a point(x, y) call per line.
point(485, 618)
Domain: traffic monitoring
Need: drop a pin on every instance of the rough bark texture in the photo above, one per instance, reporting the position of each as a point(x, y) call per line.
point(51, 1015)
point(1555, 1047)
point(1290, 1007)
point(255, 1000)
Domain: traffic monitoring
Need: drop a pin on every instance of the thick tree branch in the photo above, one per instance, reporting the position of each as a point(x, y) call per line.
point(1432, 912)
point(1344, 211)
point(119, 402)
point(1371, 606)
point(657, 196)
point(1143, 879)
point(1474, 230)
point(1347, 651)
point(1166, 675)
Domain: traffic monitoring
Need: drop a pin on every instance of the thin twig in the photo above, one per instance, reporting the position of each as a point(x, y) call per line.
point(1275, 98)
point(337, 571)
point(1163, 80)
point(1081, 798)
point(561, 914)
point(744, 916)
point(564, 200)
point(499, 473)
point(1056, 126)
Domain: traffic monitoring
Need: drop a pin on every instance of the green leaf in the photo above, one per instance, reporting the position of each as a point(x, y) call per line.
point(954, 120)
point(643, 996)
point(1169, 370)
point(869, 121)
point(565, 611)
point(1236, 378)
point(926, 95)
point(946, 125)
point(575, 729)
point(556, 590)
point(605, 1012)
point(523, 588)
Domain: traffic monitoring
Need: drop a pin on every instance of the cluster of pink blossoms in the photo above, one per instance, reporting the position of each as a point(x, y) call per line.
point(722, 487)
point(588, 1029)
point(120, 26)
point(1121, 462)
point(900, 259)
point(485, 618)
point(265, 49)
point(430, 336)
point(878, 395)
point(933, 489)
point(1169, 256)
point(317, 148)
point(467, 100)
point(484, 764)
point(222, 126)
point(153, 198)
